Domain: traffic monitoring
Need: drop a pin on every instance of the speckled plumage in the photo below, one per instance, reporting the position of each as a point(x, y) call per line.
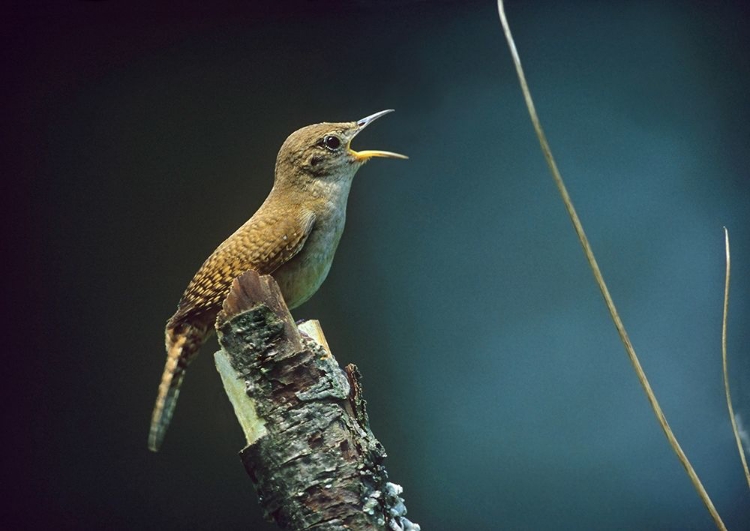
point(293, 236)
point(268, 240)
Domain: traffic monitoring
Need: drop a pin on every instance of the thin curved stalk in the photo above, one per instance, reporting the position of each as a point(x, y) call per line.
point(600, 279)
point(724, 359)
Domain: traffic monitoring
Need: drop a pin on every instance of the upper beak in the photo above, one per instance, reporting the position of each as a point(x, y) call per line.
point(363, 156)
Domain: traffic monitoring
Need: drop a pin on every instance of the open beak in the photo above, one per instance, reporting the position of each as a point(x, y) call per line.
point(363, 156)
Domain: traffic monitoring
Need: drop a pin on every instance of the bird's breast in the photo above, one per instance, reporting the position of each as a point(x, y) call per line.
point(301, 276)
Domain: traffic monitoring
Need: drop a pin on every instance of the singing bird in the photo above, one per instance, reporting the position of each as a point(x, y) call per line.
point(293, 236)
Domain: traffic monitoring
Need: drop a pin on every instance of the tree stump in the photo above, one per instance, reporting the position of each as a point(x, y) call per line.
point(310, 453)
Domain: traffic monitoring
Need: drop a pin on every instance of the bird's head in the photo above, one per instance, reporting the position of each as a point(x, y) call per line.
point(322, 152)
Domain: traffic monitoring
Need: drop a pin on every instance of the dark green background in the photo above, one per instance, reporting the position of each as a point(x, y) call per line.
point(140, 137)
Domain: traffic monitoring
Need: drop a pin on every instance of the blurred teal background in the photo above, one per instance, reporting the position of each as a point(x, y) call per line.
point(142, 136)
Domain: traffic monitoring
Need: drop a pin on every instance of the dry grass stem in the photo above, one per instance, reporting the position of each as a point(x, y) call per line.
point(724, 359)
point(599, 279)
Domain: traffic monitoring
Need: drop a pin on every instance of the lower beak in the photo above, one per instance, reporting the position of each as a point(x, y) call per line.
point(370, 153)
point(363, 156)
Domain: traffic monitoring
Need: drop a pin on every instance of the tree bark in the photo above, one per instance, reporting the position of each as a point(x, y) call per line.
point(310, 452)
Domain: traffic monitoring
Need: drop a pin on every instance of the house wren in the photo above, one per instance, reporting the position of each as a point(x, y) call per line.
point(293, 236)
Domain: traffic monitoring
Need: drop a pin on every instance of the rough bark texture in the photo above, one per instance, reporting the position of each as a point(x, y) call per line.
point(311, 454)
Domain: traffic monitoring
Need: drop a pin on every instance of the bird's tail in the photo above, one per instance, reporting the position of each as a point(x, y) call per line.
point(183, 343)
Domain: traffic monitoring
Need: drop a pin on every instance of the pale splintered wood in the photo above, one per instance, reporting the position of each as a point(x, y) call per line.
point(313, 329)
point(244, 406)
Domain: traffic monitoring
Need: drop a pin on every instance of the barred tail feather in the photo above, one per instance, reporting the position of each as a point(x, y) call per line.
point(182, 344)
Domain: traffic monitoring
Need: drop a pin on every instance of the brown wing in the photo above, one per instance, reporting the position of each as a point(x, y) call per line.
point(263, 244)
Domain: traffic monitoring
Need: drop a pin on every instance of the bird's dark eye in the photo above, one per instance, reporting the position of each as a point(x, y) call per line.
point(332, 142)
